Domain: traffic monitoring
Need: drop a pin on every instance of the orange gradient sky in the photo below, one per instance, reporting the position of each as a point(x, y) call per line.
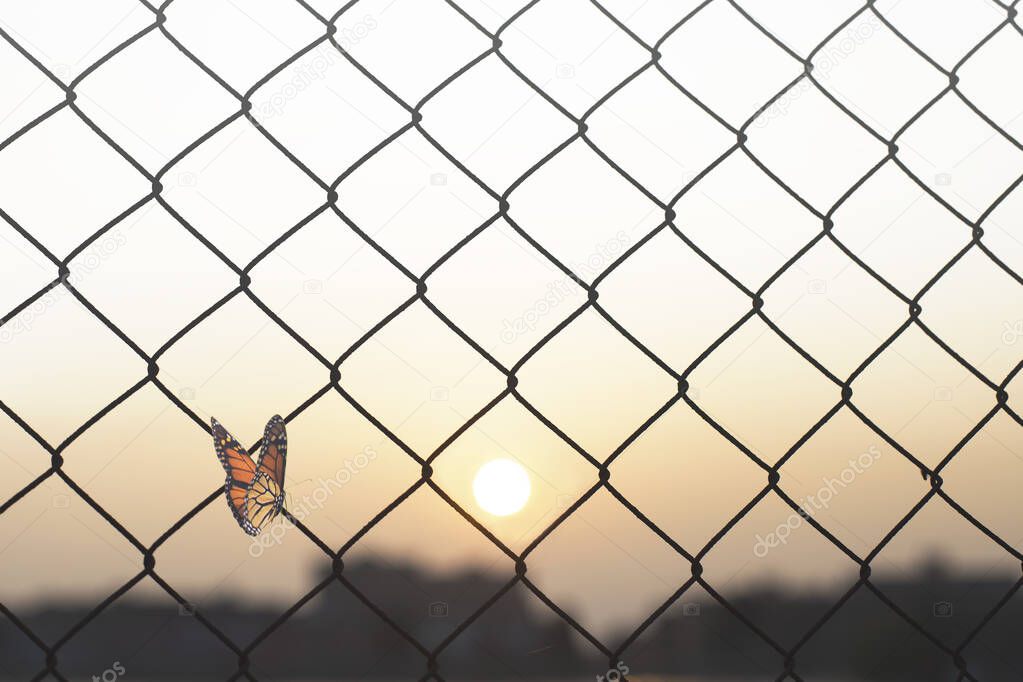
point(148, 464)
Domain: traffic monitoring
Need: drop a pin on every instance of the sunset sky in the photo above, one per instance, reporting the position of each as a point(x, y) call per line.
point(149, 464)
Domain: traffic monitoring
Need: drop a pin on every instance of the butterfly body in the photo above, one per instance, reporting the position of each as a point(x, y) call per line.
point(254, 489)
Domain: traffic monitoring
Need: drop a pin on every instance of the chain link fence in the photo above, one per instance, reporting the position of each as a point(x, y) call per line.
point(672, 223)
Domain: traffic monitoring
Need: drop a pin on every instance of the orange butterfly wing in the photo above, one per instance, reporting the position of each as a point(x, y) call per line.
point(274, 450)
point(241, 472)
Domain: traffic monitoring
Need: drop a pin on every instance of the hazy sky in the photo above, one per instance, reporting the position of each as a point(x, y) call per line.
point(148, 464)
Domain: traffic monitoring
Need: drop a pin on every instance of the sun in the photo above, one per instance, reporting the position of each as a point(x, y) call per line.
point(501, 487)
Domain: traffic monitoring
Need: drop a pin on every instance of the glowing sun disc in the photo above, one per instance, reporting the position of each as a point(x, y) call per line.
point(501, 487)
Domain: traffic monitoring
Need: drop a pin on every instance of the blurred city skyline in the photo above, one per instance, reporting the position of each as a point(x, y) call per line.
point(336, 635)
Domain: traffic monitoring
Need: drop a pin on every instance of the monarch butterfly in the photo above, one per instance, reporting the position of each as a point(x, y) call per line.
point(255, 490)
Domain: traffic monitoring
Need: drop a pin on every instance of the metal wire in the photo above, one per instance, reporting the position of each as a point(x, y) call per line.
point(433, 667)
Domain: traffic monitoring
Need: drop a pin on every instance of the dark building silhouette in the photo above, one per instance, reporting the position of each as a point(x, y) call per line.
point(335, 636)
point(338, 636)
point(865, 639)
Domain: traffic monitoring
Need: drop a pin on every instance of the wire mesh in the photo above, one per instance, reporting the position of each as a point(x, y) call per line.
point(332, 368)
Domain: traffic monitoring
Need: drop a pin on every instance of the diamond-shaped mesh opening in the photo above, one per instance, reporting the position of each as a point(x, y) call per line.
point(527, 123)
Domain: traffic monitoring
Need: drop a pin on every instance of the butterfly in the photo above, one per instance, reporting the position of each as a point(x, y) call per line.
point(255, 490)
